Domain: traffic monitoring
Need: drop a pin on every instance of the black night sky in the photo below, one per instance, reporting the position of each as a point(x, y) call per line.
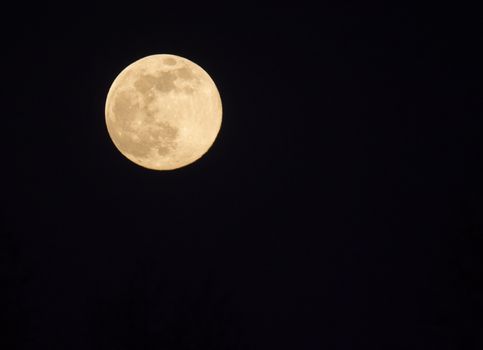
point(339, 208)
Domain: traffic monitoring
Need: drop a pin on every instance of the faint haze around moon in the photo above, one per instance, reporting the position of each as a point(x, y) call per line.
point(163, 112)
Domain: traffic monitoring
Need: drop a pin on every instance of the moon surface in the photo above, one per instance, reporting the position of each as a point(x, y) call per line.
point(163, 112)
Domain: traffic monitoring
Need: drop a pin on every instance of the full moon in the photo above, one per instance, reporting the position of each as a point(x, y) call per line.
point(163, 112)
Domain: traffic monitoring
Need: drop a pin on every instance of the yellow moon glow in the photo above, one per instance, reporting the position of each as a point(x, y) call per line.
point(163, 112)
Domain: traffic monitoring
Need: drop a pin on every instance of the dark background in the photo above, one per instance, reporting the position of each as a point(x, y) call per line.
point(339, 208)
